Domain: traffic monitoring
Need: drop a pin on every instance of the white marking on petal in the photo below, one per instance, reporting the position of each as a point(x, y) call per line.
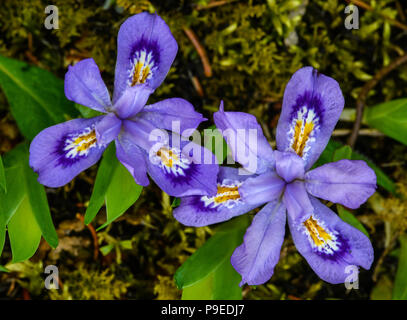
point(141, 68)
point(79, 144)
point(227, 195)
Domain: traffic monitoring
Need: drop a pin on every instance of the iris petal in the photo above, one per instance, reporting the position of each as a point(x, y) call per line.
point(348, 182)
point(84, 85)
point(198, 211)
point(61, 152)
point(312, 105)
point(332, 248)
point(145, 51)
point(256, 258)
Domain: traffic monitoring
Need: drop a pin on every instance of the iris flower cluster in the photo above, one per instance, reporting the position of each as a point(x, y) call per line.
point(282, 180)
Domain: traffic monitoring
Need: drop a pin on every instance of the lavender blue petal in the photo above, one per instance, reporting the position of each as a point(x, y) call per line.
point(84, 85)
point(61, 152)
point(348, 182)
point(297, 201)
point(246, 140)
point(132, 101)
point(108, 129)
point(312, 105)
point(289, 166)
point(259, 253)
point(174, 114)
point(263, 188)
point(342, 251)
point(198, 211)
point(145, 51)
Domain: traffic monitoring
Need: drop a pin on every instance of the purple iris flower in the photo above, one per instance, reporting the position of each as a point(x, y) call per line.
point(146, 50)
point(284, 182)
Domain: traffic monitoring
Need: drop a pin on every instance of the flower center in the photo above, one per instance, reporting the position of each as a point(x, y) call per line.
point(80, 144)
point(172, 161)
point(142, 67)
point(227, 195)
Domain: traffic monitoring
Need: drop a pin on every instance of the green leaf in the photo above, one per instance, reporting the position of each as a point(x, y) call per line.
point(400, 283)
point(25, 202)
point(106, 249)
point(176, 202)
point(341, 153)
point(115, 187)
point(87, 112)
point(209, 267)
point(3, 184)
point(24, 232)
point(328, 154)
point(4, 269)
point(390, 118)
point(349, 218)
point(36, 96)
point(214, 141)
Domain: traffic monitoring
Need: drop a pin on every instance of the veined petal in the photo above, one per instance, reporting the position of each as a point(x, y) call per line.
point(332, 248)
point(84, 85)
point(61, 152)
point(198, 211)
point(145, 51)
point(183, 168)
point(132, 101)
point(263, 188)
point(246, 140)
point(174, 114)
point(108, 129)
point(348, 182)
point(256, 258)
point(133, 158)
point(312, 105)
point(297, 201)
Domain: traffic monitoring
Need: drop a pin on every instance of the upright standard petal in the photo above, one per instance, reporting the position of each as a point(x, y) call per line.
point(61, 152)
point(246, 140)
point(108, 129)
point(132, 157)
point(198, 211)
point(145, 51)
point(348, 182)
point(297, 201)
point(264, 188)
point(174, 114)
point(256, 258)
point(132, 101)
point(312, 105)
point(333, 249)
point(289, 166)
point(84, 85)
point(183, 168)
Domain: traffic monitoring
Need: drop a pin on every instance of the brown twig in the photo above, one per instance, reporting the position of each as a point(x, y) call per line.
point(366, 6)
point(384, 254)
point(360, 103)
point(201, 51)
point(214, 4)
point(94, 236)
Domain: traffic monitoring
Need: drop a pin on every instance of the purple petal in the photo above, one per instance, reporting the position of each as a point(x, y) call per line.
point(84, 85)
point(175, 115)
point(289, 166)
point(332, 247)
point(198, 211)
point(263, 188)
point(297, 201)
point(132, 101)
point(183, 168)
point(61, 152)
point(143, 133)
point(348, 182)
point(145, 52)
point(312, 105)
point(108, 129)
point(246, 140)
point(256, 258)
point(133, 158)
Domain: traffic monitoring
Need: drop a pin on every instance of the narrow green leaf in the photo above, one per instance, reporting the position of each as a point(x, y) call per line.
point(349, 218)
point(114, 186)
point(202, 290)
point(103, 178)
point(106, 249)
point(400, 283)
point(176, 202)
point(212, 254)
point(35, 92)
point(24, 232)
point(214, 141)
point(390, 118)
point(3, 269)
point(341, 153)
point(87, 112)
point(3, 184)
point(2, 236)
